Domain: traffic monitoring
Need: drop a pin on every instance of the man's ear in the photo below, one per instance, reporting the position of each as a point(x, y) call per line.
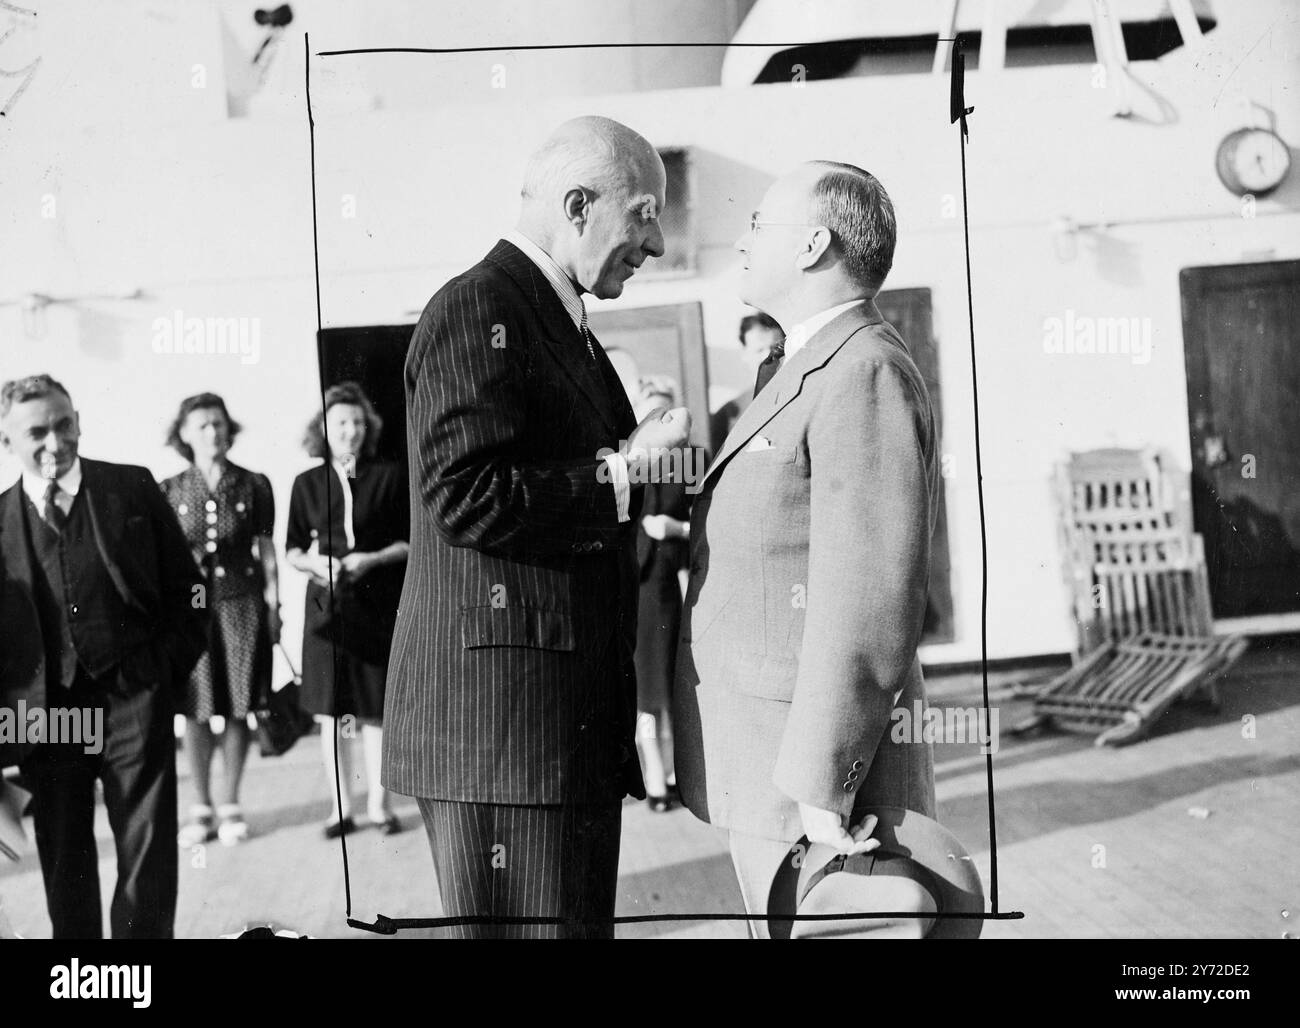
point(818, 244)
point(575, 207)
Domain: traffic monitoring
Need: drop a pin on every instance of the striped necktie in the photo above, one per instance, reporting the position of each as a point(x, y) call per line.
point(54, 515)
point(586, 333)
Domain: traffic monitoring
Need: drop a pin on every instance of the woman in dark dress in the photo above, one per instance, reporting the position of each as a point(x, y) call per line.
point(349, 523)
point(227, 514)
point(662, 549)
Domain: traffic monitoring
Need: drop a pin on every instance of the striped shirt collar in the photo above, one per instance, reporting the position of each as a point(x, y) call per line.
point(563, 285)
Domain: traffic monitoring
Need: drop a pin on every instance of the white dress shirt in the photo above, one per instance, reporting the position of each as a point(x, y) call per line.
point(69, 484)
point(800, 334)
point(573, 305)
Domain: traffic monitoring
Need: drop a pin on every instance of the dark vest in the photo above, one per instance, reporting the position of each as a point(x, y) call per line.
point(82, 613)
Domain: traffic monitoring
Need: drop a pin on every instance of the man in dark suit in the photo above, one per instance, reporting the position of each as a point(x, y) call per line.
point(102, 609)
point(511, 697)
point(810, 549)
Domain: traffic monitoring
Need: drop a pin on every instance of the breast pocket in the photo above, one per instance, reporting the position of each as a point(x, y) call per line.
point(531, 627)
point(757, 457)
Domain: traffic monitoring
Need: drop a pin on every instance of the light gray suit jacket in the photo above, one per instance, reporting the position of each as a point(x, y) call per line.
point(809, 564)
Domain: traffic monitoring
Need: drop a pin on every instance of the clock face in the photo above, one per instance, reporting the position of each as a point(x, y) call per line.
point(1253, 161)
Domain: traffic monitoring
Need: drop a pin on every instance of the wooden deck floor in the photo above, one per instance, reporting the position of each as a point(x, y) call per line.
point(1090, 843)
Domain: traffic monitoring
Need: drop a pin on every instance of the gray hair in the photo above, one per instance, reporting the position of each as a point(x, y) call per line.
point(598, 153)
point(33, 387)
point(855, 207)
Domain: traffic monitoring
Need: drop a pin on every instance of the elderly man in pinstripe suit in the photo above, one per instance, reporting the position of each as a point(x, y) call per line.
point(511, 698)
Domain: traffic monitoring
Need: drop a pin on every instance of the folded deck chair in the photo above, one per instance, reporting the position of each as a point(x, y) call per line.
point(1141, 601)
point(1119, 690)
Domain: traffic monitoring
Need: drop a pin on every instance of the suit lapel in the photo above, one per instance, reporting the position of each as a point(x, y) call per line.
point(787, 383)
point(559, 335)
point(107, 518)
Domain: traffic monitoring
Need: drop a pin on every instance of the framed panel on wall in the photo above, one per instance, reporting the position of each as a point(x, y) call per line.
point(373, 356)
point(667, 340)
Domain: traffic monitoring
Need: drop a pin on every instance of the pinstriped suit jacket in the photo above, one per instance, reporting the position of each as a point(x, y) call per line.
point(810, 544)
point(510, 678)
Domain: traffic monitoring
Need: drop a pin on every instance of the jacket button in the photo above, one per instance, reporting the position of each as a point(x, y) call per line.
point(598, 545)
point(220, 572)
point(857, 765)
point(74, 610)
point(853, 775)
point(848, 786)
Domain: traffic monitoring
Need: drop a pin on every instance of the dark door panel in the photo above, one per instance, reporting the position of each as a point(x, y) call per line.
point(1240, 328)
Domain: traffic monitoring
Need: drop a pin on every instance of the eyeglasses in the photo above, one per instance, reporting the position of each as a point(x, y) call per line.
point(754, 223)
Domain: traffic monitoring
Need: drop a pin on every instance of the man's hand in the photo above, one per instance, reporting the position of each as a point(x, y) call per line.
point(322, 568)
point(662, 430)
point(357, 564)
point(827, 828)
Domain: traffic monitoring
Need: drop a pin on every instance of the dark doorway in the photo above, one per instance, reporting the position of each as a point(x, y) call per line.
point(375, 357)
point(908, 310)
point(1240, 325)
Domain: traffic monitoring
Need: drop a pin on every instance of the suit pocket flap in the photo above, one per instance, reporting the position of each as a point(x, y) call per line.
point(516, 626)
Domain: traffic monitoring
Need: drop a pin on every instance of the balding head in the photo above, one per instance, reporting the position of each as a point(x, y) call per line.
point(824, 234)
point(592, 196)
point(591, 151)
point(855, 207)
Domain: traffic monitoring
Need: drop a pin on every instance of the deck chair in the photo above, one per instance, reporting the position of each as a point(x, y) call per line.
point(1141, 601)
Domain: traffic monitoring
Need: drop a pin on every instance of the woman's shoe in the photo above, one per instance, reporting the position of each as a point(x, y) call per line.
point(336, 828)
point(659, 804)
point(200, 829)
point(390, 825)
point(232, 829)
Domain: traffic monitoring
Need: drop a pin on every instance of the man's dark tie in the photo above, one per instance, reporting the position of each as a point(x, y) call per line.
point(54, 516)
point(771, 363)
point(586, 333)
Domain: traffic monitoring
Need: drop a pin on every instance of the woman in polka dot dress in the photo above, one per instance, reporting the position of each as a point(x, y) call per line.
point(228, 515)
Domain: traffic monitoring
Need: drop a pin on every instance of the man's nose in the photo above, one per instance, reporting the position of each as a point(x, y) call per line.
point(654, 244)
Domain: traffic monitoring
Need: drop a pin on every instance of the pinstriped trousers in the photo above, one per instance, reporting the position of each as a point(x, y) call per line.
point(505, 861)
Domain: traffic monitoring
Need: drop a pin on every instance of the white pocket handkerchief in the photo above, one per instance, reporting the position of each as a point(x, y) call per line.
point(759, 442)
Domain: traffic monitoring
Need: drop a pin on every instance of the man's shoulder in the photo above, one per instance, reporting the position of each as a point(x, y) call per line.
point(109, 472)
point(878, 347)
point(487, 281)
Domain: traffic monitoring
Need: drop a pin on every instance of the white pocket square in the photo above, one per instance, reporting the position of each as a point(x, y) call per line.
point(759, 442)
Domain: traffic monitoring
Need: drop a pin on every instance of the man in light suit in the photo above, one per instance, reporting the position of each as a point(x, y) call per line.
point(511, 699)
point(101, 609)
point(810, 549)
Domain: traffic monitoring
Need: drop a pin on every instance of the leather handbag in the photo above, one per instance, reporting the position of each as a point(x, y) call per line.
point(281, 722)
